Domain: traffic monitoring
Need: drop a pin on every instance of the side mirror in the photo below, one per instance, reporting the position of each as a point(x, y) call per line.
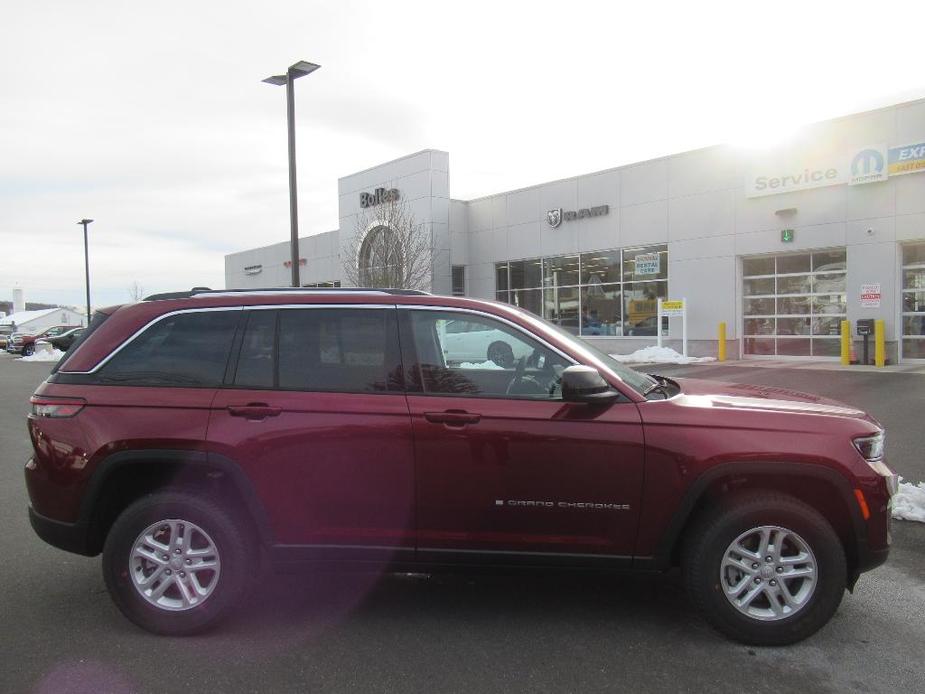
point(584, 384)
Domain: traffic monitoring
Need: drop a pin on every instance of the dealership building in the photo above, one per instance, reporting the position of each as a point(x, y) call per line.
point(780, 244)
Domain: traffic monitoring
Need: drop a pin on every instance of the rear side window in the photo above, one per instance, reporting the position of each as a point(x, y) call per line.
point(340, 350)
point(95, 322)
point(188, 349)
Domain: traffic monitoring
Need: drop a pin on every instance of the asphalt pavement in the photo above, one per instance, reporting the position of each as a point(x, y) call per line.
point(334, 633)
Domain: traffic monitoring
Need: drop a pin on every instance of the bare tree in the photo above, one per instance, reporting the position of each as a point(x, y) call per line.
point(136, 291)
point(389, 248)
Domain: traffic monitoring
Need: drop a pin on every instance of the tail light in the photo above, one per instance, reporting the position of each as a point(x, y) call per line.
point(56, 407)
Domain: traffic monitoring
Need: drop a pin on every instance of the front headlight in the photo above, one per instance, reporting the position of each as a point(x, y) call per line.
point(871, 449)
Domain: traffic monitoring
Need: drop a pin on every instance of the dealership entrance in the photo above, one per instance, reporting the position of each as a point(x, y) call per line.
point(793, 304)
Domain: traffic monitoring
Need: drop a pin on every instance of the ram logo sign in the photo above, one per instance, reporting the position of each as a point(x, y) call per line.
point(555, 217)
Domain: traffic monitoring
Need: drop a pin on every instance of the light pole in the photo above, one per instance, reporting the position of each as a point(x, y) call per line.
point(85, 222)
point(295, 71)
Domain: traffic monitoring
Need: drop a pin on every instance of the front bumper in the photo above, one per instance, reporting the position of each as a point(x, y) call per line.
point(71, 537)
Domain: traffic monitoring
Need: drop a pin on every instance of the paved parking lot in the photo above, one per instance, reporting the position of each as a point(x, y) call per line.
point(301, 633)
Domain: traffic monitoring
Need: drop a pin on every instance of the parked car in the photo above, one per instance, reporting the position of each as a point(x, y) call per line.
point(6, 332)
point(65, 340)
point(191, 437)
point(24, 343)
point(473, 342)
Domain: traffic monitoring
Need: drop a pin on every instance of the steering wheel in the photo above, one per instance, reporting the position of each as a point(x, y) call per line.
point(521, 384)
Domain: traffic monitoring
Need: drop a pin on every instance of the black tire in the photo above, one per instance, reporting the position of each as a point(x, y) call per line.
point(705, 547)
point(28, 350)
point(501, 354)
point(238, 556)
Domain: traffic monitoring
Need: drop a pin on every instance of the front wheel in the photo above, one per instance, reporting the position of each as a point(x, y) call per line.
point(175, 563)
point(28, 350)
point(765, 569)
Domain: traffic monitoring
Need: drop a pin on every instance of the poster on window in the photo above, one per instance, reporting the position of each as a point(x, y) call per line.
point(870, 295)
point(648, 264)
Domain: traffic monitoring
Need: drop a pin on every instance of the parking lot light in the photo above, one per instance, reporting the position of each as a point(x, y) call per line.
point(296, 70)
point(85, 222)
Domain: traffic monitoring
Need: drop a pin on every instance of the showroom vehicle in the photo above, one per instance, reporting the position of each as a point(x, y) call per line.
point(194, 436)
point(24, 343)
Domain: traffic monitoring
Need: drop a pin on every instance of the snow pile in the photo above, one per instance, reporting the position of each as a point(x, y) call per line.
point(489, 365)
point(909, 501)
point(659, 355)
point(41, 355)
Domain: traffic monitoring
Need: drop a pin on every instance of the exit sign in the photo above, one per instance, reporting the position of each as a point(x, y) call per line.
point(786, 235)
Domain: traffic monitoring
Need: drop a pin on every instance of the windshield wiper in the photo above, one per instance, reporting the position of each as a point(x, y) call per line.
point(661, 384)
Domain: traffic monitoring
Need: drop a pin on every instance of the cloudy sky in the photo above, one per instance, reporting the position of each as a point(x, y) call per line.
point(151, 118)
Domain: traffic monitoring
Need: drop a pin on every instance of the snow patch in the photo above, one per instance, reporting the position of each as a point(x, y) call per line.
point(909, 502)
point(53, 355)
point(488, 365)
point(659, 355)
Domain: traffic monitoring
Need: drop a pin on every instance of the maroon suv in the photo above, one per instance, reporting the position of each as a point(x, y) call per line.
point(190, 436)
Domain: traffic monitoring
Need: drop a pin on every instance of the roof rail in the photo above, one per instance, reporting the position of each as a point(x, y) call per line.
point(202, 291)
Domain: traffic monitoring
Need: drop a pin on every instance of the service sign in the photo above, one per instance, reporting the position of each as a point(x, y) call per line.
point(907, 159)
point(648, 264)
point(870, 295)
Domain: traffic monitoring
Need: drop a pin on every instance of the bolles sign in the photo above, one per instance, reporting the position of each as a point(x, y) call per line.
point(377, 197)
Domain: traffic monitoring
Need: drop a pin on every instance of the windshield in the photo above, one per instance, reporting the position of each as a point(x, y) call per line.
point(634, 379)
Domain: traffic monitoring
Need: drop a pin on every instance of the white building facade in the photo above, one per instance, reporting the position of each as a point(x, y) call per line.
point(781, 245)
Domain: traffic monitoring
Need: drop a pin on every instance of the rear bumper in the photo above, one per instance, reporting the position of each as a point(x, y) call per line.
point(71, 537)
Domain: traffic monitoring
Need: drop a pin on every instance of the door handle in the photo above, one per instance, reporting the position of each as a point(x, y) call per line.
point(453, 418)
point(254, 411)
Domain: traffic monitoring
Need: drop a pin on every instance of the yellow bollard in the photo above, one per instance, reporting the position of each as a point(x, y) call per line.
point(721, 349)
point(879, 343)
point(845, 343)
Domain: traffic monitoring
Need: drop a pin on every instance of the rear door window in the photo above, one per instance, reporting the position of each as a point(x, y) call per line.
point(344, 350)
point(187, 349)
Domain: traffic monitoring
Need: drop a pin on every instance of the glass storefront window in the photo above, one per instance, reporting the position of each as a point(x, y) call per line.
point(645, 264)
point(640, 307)
point(561, 271)
point(601, 310)
point(501, 280)
point(600, 267)
point(759, 326)
point(562, 308)
point(526, 274)
point(798, 284)
point(529, 299)
point(588, 294)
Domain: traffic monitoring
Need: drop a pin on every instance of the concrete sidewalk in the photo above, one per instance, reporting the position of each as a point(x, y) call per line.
point(810, 365)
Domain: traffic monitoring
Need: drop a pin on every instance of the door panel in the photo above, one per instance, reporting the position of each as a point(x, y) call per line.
point(317, 419)
point(528, 476)
point(503, 464)
point(330, 468)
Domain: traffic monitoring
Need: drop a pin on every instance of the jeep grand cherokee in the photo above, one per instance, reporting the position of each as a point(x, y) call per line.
point(192, 436)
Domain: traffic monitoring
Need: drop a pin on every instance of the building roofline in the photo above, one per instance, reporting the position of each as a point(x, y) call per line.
point(392, 161)
point(834, 119)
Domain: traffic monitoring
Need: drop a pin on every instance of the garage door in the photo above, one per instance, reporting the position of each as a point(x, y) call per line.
point(913, 302)
point(793, 304)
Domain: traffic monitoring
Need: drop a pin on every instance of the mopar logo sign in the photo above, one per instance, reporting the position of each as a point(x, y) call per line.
point(868, 166)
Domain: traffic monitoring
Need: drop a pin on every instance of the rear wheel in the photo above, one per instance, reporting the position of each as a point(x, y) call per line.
point(765, 569)
point(175, 563)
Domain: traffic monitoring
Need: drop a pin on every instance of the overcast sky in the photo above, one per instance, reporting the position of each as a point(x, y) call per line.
point(152, 120)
